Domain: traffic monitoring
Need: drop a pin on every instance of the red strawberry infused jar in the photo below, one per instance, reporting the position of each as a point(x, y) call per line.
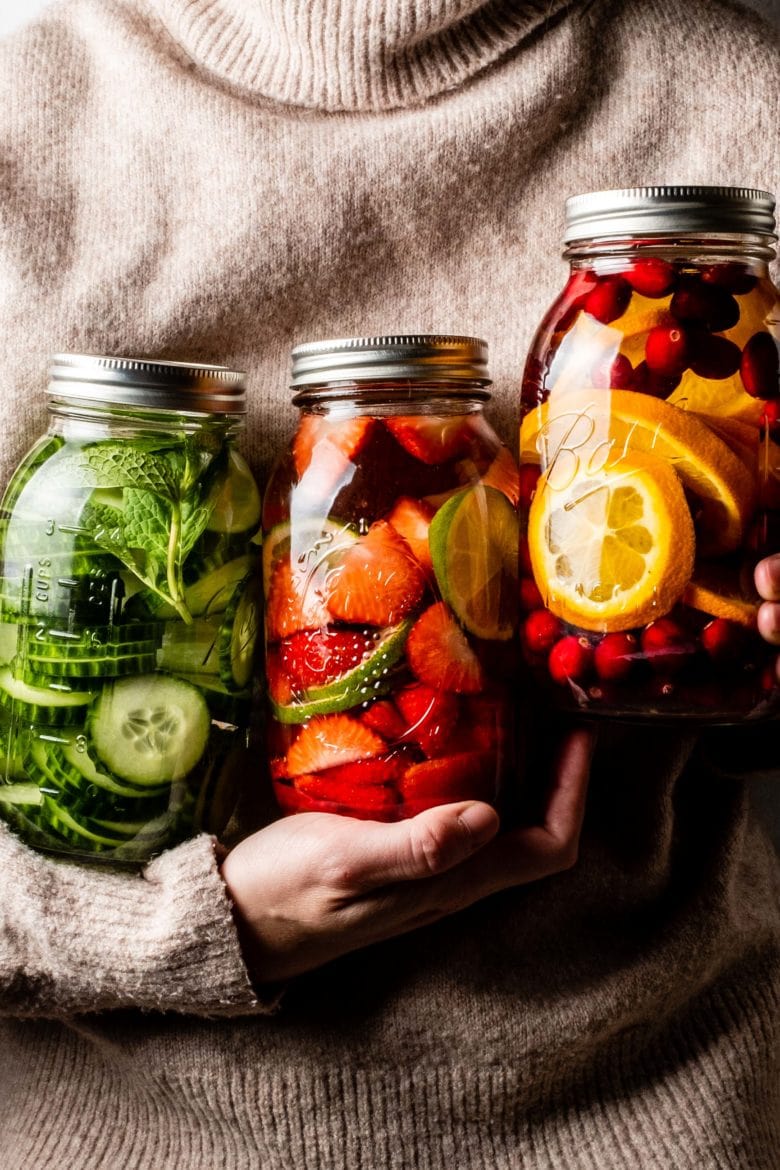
point(650, 457)
point(390, 569)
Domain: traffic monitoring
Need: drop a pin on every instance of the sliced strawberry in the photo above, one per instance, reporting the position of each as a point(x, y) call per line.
point(378, 580)
point(432, 438)
point(503, 475)
point(329, 443)
point(439, 654)
point(328, 741)
point(295, 602)
point(378, 770)
point(412, 519)
point(279, 686)
point(291, 800)
point(313, 658)
point(382, 716)
point(430, 717)
point(278, 768)
point(347, 795)
point(466, 776)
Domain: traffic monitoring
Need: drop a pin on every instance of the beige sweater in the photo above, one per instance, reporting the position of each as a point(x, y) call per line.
point(220, 179)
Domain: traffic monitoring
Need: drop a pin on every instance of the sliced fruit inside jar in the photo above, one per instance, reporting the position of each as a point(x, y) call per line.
point(474, 540)
point(613, 550)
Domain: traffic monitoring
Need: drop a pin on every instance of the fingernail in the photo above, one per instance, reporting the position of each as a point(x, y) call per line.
point(480, 822)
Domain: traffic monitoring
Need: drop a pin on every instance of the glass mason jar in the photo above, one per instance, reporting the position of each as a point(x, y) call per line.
point(650, 464)
point(129, 610)
point(390, 569)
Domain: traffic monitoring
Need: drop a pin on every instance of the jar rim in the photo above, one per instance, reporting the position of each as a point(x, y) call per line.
point(147, 383)
point(669, 210)
point(445, 359)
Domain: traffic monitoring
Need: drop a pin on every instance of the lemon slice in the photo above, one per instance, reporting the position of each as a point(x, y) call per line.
point(614, 549)
point(725, 397)
point(474, 540)
point(583, 430)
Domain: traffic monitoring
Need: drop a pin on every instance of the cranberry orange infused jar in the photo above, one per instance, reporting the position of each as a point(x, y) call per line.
point(650, 465)
point(390, 554)
point(128, 611)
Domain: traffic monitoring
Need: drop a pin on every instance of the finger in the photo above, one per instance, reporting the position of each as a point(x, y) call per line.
point(534, 852)
point(768, 622)
point(422, 846)
point(767, 578)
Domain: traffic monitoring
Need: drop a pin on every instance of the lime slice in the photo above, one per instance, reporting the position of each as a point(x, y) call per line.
point(305, 543)
point(368, 680)
point(234, 498)
point(474, 541)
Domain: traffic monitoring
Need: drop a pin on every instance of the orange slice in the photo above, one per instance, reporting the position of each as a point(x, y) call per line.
point(725, 592)
point(613, 549)
point(725, 397)
point(578, 432)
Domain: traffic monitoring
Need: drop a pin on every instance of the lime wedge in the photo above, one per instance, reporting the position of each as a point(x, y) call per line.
point(368, 680)
point(474, 540)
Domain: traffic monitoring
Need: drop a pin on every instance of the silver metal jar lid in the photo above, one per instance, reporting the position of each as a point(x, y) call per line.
point(429, 358)
point(141, 382)
point(641, 211)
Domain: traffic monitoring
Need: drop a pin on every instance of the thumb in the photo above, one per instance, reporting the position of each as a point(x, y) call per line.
point(423, 846)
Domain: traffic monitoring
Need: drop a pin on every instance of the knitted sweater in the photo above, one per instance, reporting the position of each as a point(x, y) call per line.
point(219, 179)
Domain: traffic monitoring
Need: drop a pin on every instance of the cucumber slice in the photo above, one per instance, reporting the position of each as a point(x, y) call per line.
point(368, 680)
point(74, 827)
point(234, 498)
point(9, 640)
point(225, 704)
point(24, 794)
point(313, 539)
point(190, 649)
point(150, 728)
point(209, 594)
point(58, 705)
point(238, 635)
point(111, 664)
point(80, 767)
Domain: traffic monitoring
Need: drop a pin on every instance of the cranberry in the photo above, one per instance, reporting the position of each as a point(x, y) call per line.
point(609, 299)
point(667, 646)
point(734, 278)
point(769, 677)
point(666, 350)
point(649, 382)
point(541, 630)
point(724, 641)
point(760, 367)
point(771, 413)
point(613, 373)
point(614, 656)
point(706, 305)
point(650, 276)
point(580, 283)
point(571, 659)
point(715, 357)
point(530, 597)
point(529, 477)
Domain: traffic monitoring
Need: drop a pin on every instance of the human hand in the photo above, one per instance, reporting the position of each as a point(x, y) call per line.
point(767, 580)
point(314, 886)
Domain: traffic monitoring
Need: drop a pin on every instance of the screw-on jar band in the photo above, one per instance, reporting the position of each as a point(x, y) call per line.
point(138, 382)
point(402, 357)
point(643, 211)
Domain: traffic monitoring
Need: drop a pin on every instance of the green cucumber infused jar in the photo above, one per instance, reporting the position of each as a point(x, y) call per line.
point(129, 610)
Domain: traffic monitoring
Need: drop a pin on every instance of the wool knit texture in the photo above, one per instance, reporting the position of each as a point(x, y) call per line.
point(218, 180)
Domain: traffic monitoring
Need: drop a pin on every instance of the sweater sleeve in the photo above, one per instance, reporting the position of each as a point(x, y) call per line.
point(74, 939)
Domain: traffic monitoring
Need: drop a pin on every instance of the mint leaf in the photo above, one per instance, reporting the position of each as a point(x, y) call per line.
point(194, 518)
point(115, 465)
point(147, 522)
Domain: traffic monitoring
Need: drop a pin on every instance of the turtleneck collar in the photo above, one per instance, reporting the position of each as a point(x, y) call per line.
point(350, 54)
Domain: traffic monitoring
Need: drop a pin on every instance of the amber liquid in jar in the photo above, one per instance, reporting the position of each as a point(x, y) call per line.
point(390, 540)
point(650, 479)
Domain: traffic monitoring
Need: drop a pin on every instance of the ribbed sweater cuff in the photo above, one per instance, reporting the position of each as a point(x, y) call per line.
point(75, 939)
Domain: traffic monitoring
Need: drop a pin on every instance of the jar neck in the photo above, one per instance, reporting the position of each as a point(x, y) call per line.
point(755, 250)
point(388, 398)
point(76, 417)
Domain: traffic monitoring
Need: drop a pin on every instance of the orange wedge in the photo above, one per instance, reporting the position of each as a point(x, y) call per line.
point(724, 592)
point(614, 549)
point(575, 434)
